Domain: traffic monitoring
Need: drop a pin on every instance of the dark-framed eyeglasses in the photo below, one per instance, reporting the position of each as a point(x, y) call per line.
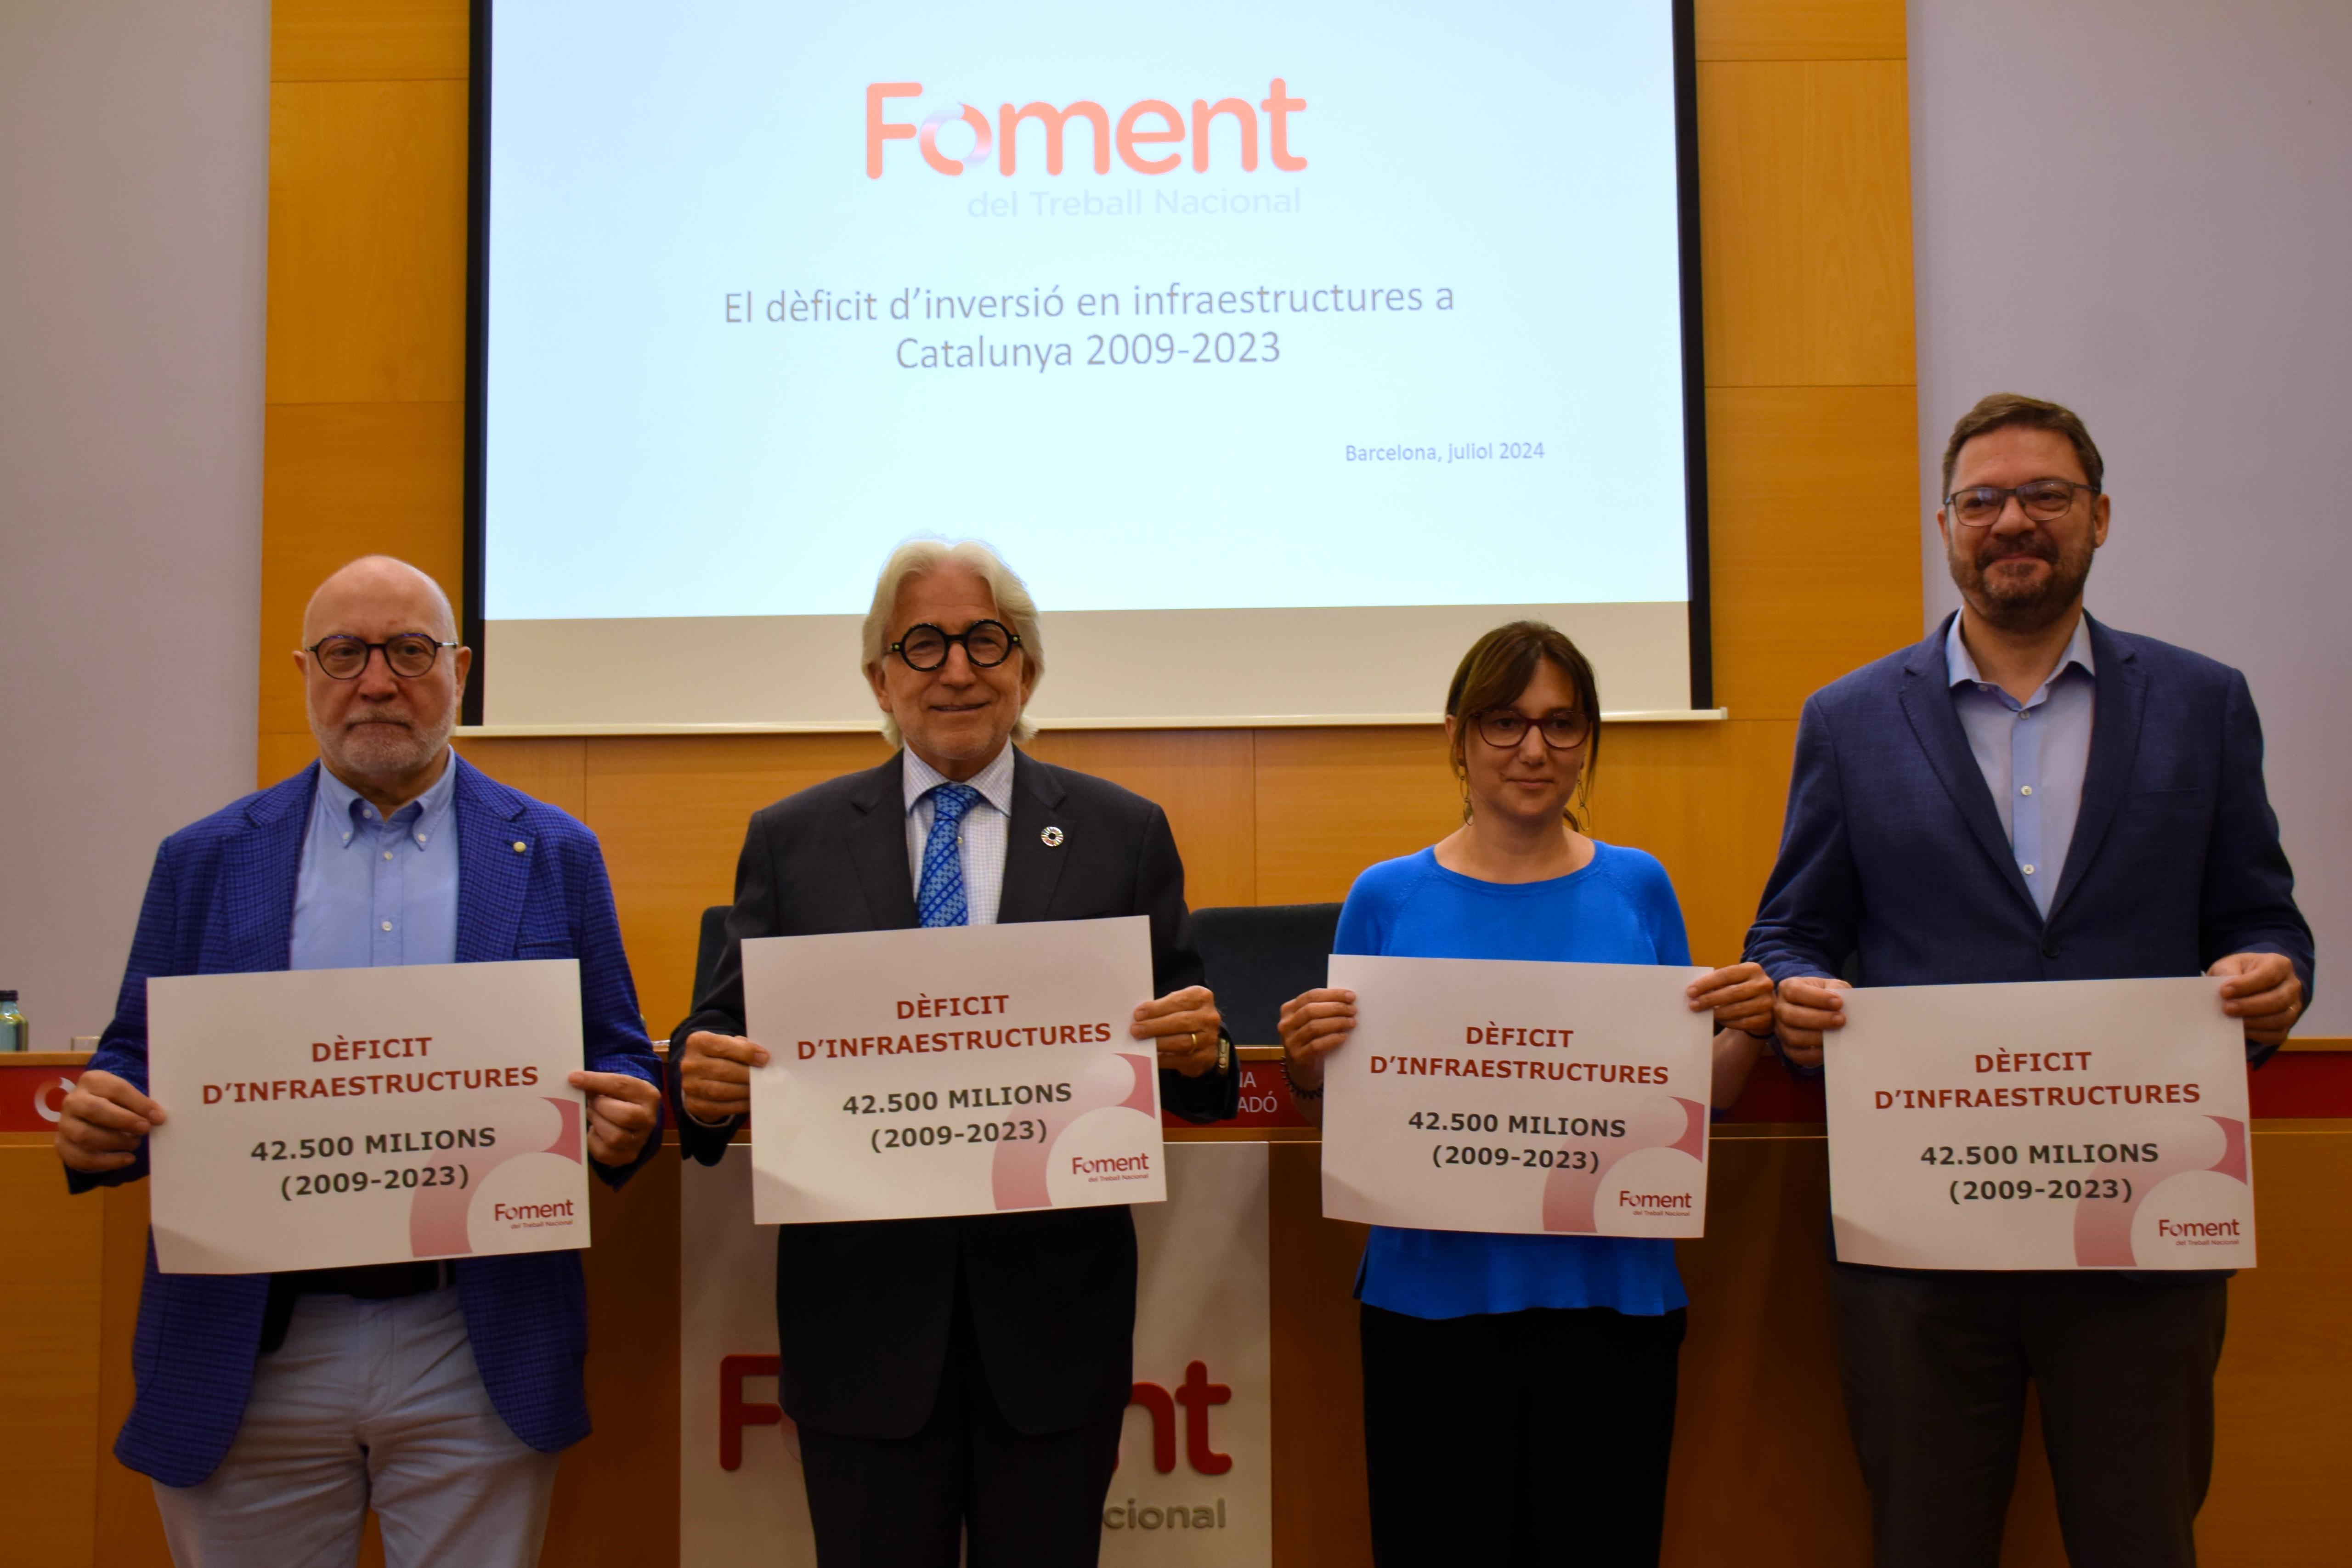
point(1506, 727)
point(2043, 500)
point(986, 644)
point(407, 654)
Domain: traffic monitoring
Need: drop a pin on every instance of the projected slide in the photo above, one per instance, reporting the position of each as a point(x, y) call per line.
point(1260, 339)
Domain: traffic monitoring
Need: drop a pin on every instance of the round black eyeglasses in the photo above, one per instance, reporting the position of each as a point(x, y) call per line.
point(986, 644)
point(407, 655)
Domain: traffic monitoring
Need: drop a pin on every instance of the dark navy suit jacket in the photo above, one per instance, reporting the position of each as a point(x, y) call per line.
point(864, 1310)
point(1894, 862)
point(221, 902)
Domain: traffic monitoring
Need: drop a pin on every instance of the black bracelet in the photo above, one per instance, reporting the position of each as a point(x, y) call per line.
point(1297, 1092)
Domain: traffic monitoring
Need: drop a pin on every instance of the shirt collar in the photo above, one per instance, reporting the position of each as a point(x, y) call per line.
point(1960, 669)
point(993, 782)
point(422, 819)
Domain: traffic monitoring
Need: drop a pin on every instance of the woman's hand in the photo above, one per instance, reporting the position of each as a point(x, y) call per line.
point(1740, 995)
point(1314, 1024)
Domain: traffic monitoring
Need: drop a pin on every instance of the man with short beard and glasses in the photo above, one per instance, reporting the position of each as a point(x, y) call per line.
point(274, 1410)
point(2030, 794)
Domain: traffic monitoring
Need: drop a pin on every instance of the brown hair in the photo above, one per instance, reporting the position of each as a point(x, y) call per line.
point(2005, 410)
point(1492, 675)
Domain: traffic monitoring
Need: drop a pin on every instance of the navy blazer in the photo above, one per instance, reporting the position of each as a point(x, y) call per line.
point(221, 902)
point(1892, 859)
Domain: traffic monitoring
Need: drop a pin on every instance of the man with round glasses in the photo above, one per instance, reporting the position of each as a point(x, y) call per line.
point(274, 1411)
point(956, 1380)
point(2030, 794)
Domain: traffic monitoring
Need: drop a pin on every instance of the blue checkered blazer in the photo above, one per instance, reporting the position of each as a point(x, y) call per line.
point(221, 902)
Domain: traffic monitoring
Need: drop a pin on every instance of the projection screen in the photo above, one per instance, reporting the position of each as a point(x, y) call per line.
point(1281, 350)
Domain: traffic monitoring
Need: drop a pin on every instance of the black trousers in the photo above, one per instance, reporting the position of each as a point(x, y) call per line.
point(1012, 1499)
point(1533, 1439)
point(1936, 1365)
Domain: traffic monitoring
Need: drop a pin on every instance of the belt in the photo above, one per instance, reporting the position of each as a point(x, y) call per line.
point(375, 1282)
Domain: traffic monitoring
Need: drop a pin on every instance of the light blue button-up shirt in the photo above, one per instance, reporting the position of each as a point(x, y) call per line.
point(2033, 753)
point(373, 893)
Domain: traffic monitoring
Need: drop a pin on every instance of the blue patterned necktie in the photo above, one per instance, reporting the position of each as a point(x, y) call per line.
point(939, 899)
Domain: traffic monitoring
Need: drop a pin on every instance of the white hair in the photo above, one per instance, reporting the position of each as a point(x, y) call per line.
point(920, 558)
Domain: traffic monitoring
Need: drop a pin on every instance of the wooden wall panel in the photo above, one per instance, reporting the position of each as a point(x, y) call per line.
point(1763, 1473)
point(1201, 778)
point(2283, 1437)
point(383, 40)
point(339, 482)
point(130, 1533)
point(1800, 30)
point(49, 1356)
point(1320, 1514)
point(1813, 505)
point(367, 242)
point(554, 770)
point(1331, 802)
point(615, 1502)
point(1805, 223)
point(671, 812)
point(1707, 800)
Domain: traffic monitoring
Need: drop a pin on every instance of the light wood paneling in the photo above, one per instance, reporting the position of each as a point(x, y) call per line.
point(1320, 1514)
point(2284, 1438)
point(1200, 778)
point(367, 242)
point(340, 481)
point(130, 1533)
point(1814, 535)
point(1763, 1472)
point(615, 1502)
point(671, 812)
point(1331, 802)
point(554, 770)
point(1805, 223)
point(1800, 30)
point(1706, 799)
point(49, 1356)
point(383, 40)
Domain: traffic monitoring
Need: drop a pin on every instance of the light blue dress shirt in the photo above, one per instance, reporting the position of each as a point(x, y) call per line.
point(2033, 753)
point(373, 893)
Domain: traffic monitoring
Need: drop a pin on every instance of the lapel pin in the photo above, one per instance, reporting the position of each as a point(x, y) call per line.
point(1052, 838)
point(518, 847)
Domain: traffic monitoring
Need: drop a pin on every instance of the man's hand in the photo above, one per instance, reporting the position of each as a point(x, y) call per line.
point(1740, 995)
point(714, 1075)
point(1804, 1006)
point(623, 1110)
point(101, 1123)
point(2262, 990)
point(1313, 1024)
point(1186, 1024)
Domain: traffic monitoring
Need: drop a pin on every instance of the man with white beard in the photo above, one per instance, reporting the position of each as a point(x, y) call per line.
point(274, 1410)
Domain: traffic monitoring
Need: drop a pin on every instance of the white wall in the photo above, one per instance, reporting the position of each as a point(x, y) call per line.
point(134, 203)
point(2142, 209)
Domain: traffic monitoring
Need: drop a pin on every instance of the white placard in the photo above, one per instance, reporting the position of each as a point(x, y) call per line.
point(327, 1118)
point(1494, 1095)
point(1195, 1478)
point(2059, 1124)
point(963, 1069)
